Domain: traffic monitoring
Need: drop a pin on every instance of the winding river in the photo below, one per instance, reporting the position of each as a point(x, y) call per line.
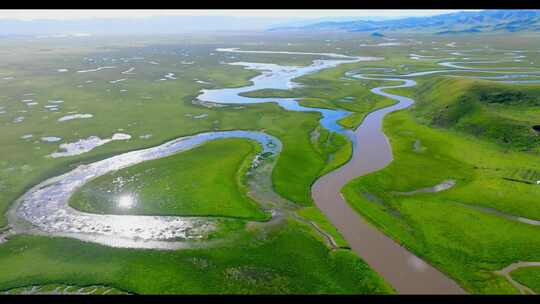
point(44, 208)
point(402, 269)
point(407, 273)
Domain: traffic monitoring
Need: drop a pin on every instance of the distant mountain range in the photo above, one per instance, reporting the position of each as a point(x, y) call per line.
point(453, 23)
point(486, 21)
point(309, 21)
point(156, 25)
point(149, 25)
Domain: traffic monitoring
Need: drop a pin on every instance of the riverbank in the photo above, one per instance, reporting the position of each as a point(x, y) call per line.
point(467, 243)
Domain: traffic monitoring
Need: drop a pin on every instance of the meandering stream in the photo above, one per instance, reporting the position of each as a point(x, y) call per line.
point(407, 273)
point(44, 208)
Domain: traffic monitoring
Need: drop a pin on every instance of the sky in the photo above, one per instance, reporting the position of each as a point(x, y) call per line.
point(28, 14)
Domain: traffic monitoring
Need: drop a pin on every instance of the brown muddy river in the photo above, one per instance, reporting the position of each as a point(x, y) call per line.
point(407, 273)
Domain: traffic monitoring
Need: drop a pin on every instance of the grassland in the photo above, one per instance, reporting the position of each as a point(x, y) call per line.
point(143, 105)
point(447, 228)
point(205, 181)
point(501, 113)
point(278, 260)
point(271, 263)
point(528, 276)
point(329, 89)
point(64, 289)
point(149, 106)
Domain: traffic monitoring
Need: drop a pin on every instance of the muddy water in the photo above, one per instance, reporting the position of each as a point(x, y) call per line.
point(407, 273)
point(403, 270)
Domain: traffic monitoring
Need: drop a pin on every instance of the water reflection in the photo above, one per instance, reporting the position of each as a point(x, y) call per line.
point(46, 206)
point(126, 201)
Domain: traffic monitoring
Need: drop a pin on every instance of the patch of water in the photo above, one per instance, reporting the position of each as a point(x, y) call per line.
point(74, 116)
point(85, 145)
point(46, 205)
point(96, 69)
point(18, 119)
point(445, 185)
point(51, 139)
point(274, 76)
point(382, 44)
point(118, 80)
point(129, 71)
point(170, 76)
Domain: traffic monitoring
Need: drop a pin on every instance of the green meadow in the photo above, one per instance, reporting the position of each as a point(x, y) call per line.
point(271, 263)
point(528, 276)
point(449, 134)
point(204, 181)
point(476, 132)
point(209, 180)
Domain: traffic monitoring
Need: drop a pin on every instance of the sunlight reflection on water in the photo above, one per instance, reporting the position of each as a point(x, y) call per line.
point(126, 201)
